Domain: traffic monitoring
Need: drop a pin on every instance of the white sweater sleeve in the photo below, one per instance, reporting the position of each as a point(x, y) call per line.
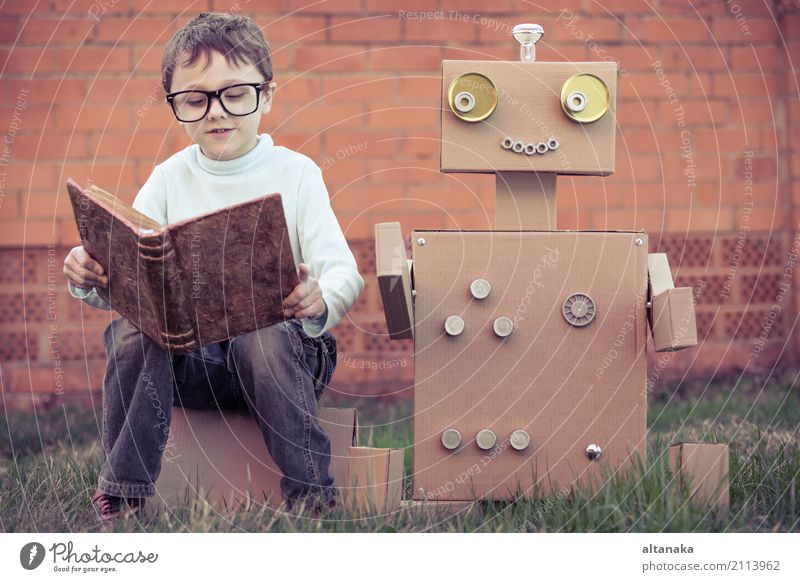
point(325, 251)
point(150, 201)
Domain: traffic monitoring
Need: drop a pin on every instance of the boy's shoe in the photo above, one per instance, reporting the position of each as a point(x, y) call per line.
point(111, 509)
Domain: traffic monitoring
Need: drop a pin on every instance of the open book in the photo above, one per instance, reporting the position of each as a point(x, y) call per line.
point(194, 282)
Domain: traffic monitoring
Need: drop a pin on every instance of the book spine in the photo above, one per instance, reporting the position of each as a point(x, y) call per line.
point(167, 296)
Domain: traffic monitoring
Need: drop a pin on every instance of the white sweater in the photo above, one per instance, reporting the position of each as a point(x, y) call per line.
point(189, 184)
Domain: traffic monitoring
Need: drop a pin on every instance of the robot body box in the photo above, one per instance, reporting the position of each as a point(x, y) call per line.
point(530, 366)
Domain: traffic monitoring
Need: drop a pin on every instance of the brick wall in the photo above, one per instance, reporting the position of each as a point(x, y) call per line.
point(708, 153)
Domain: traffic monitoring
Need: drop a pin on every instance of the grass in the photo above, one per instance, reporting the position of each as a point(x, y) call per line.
point(49, 464)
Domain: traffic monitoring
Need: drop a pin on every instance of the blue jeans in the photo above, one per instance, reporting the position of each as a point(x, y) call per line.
point(278, 373)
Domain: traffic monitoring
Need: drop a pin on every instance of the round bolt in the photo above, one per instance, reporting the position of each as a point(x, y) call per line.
point(486, 439)
point(593, 451)
point(421, 242)
point(576, 101)
point(541, 147)
point(506, 143)
point(503, 326)
point(451, 439)
point(520, 439)
point(480, 288)
point(638, 242)
point(530, 149)
point(454, 325)
point(464, 101)
point(552, 143)
point(421, 491)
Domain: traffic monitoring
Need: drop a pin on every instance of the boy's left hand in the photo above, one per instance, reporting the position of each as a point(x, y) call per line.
point(305, 300)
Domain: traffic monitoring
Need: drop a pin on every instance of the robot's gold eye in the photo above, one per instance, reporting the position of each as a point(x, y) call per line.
point(472, 97)
point(584, 98)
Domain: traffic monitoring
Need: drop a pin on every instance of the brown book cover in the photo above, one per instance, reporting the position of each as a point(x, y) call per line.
point(195, 282)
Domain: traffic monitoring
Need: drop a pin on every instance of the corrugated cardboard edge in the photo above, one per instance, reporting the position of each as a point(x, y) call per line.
point(383, 470)
point(705, 468)
point(190, 477)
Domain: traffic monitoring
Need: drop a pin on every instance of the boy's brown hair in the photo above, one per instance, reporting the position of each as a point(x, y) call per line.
point(238, 38)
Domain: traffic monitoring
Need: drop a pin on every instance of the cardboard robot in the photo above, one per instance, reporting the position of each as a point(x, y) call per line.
point(529, 341)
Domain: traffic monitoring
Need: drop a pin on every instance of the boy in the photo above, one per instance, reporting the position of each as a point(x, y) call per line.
point(217, 73)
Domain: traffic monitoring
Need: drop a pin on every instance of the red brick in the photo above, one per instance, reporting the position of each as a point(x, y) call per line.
point(476, 7)
point(29, 119)
point(186, 8)
point(362, 196)
point(399, 8)
point(47, 205)
point(9, 29)
point(26, 8)
point(585, 30)
point(27, 233)
point(94, 117)
point(129, 91)
point(642, 85)
point(324, 58)
point(422, 89)
point(325, 6)
point(637, 112)
point(760, 167)
point(360, 144)
point(403, 117)
point(124, 145)
point(696, 112)
point(406, 58)
point(659, 30)
point(320, 116)
point(634, 58)
point(295, 29)
point(300, 88)
point(695, 58)
point(59, 31)
point(139, 30)
point(370, 89)
point(372, 29)
point(146, 60)
point(727, 31)
point(52, 146)
point(28, 60)
point(94, 60)
point(115, 178)
point(442, 31)
point(421, 144)
point(625, 7)
point(345, 172)
point(754, 57)
point(47, 91)
point(745, 84)
point(307, 143)
point(9, 206)
point(28, 177)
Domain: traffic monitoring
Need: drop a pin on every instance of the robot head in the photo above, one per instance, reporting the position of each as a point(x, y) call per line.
point(528, 116)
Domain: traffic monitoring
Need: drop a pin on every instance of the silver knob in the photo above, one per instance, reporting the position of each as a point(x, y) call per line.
point(454, 325)
point(503, 326)
point(480, 288)
point(486, 439)
point(520, 439)
point(593, 451)
point(527, 35)
point(451, 439)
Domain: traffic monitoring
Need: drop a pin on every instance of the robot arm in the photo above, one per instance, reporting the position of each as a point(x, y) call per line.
point(394, 279)
point(671, 310)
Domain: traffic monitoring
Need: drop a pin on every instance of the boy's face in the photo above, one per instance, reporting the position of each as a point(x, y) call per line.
point(243, 129)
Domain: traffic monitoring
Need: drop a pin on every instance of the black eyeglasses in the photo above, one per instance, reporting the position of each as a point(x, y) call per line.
point(239, 100)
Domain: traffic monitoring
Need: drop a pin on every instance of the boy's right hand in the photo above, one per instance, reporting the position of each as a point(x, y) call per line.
point(83, 271)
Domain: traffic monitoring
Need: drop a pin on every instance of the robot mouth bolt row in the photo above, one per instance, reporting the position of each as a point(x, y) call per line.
point(527, 378)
